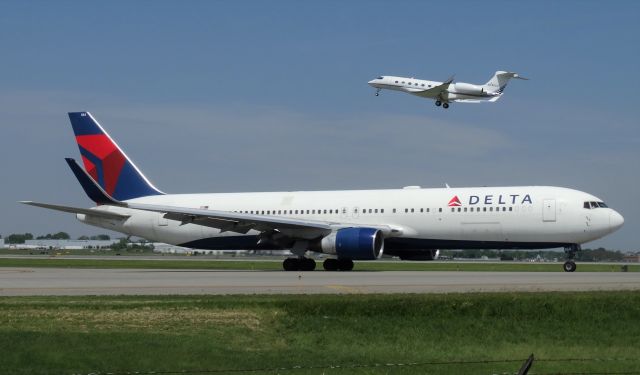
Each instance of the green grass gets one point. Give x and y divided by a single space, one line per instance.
267 265
65 335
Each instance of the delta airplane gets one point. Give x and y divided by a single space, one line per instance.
348 225
445 92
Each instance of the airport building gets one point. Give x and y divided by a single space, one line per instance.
68 244
2 245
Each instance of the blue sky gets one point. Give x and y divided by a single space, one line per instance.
250 96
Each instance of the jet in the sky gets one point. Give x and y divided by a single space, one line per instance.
448 91
410 223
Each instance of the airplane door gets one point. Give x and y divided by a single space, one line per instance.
549 210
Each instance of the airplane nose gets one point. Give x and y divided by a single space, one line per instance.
372 82
615 221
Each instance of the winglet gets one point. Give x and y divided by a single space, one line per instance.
91 188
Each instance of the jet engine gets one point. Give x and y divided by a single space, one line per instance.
467 88
353 243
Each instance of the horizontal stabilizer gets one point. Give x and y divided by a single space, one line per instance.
77 210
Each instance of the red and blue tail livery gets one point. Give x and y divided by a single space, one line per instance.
106 163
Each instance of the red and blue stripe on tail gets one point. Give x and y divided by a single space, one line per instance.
106 163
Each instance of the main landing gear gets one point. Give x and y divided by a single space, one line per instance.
299 264
337 264
570 265
307 264
444 105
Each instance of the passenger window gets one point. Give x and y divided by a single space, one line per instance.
459 209
406 210
453 209
421 210
439 209
484 209
423 85
375 211
427 210
465 209
412 210
394 210
382 210
396 81
510 208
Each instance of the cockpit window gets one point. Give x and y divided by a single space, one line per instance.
381 77
592 205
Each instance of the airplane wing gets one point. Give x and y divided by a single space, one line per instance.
433 92
242 223
77 210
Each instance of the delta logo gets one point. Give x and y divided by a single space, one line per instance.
493 199
455 202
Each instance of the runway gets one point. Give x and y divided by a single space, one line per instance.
68 281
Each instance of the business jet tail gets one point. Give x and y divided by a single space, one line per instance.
499 81
106 163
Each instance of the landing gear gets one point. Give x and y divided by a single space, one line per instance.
445 105
438 103
377 92
337 264
299 264
570 265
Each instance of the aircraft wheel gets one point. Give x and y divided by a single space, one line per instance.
330 264
345 264
290 264
307 264
445 105
377 94
569 266
438 103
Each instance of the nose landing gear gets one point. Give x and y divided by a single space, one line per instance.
377 92
570 265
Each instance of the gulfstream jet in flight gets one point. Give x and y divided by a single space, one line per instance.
411 223
445 92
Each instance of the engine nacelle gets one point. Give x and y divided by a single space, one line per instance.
353 243
467 88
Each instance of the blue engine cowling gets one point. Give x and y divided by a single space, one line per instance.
354 243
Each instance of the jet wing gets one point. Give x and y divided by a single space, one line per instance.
433 92
238 222
76 210
243 223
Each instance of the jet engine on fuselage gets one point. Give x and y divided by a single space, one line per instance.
467 88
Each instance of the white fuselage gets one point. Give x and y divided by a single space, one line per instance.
483 217
455 91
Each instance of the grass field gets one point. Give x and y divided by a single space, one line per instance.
598 331
277 265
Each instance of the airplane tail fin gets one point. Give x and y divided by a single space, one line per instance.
499 81
106 163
